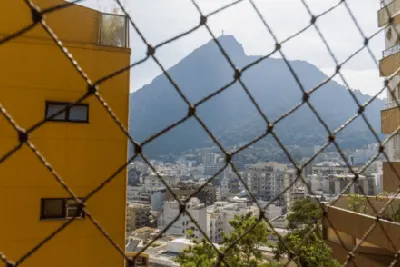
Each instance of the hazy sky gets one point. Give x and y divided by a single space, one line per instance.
162 19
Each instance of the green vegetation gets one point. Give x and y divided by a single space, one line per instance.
241 247
242 252
305 239
358 203
391 213
155 244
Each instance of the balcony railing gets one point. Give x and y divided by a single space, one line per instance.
392 104
363 218
391 50
385 2
114 30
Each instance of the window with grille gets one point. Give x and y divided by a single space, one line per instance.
60 111
60 208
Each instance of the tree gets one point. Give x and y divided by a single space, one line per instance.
358 203
302 212
305 239
237 253
304 242
311 251
245 252
113 29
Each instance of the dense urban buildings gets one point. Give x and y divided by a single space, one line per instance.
83 144
185 195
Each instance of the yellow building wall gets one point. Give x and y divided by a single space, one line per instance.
74 24
34 70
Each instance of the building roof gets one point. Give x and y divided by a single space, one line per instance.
145 229
139 205
329 164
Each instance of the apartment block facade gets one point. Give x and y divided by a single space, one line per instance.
83 144
181 226
268 180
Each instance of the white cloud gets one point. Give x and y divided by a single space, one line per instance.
160 20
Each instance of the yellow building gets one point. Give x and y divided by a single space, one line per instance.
83 145
382 243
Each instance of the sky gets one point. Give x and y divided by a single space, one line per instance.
160 20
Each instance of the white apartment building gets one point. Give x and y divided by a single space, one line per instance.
322 173
268 180
326 168
224 188
335 184
171 210
210 158
332 177
221 213
141 194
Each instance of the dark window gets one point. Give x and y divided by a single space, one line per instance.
60 208
52 208
140 261
78 113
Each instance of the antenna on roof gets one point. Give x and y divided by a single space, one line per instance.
222 32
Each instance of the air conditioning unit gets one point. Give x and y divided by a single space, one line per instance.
72 211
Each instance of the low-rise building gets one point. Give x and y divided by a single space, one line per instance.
334 184
326 168
153 181
138 215
141 194
185 190
221 213
171 210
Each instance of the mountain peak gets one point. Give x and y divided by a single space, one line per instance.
230 44
232 118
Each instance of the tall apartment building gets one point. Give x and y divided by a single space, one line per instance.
171 210
268 180
82 144
210 158
381 245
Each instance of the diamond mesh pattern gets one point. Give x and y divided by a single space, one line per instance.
38 18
